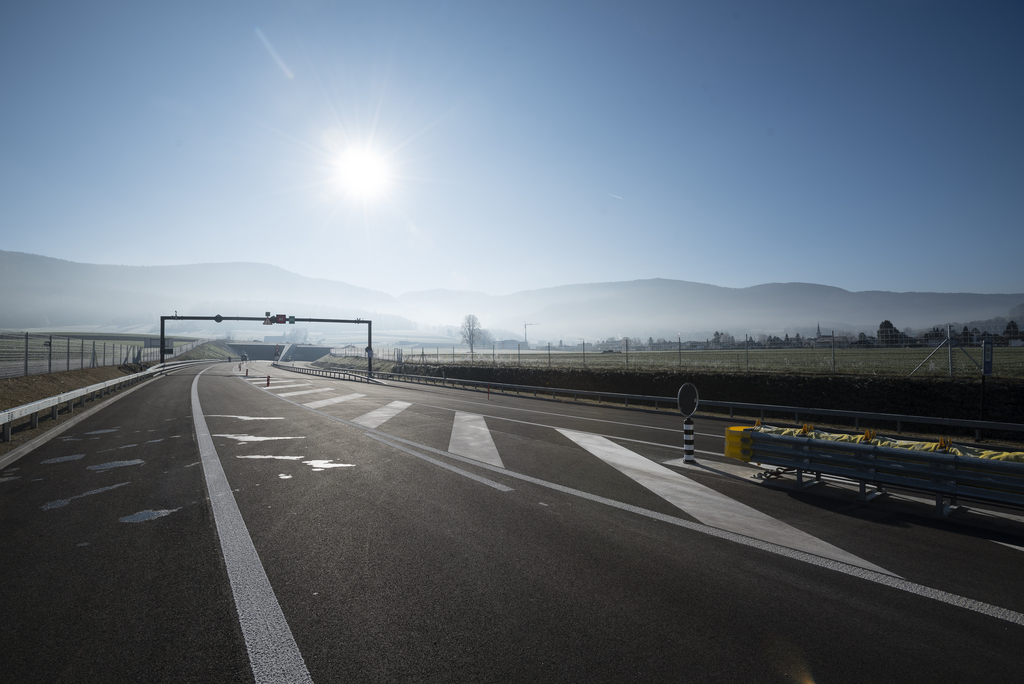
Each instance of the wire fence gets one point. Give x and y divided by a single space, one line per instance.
932 357
32 354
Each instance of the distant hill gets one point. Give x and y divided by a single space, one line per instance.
44 292
52 293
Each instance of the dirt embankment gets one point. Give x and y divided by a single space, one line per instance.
25 390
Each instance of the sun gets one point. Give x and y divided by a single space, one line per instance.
363 173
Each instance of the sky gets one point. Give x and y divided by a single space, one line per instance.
501 147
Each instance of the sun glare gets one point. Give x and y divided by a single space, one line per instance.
363 173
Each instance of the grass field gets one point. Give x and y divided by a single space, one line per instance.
1008 362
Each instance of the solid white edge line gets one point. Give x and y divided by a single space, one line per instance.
273 653
869 575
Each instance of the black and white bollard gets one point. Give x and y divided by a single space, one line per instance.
688 442
688 402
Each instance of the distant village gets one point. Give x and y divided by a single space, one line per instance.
887 336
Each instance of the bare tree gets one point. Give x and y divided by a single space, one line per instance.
472 332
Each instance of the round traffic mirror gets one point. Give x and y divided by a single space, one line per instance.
688 399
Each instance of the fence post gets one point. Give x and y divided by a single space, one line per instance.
833 352
69 353
81 354
746 347
26 353
50 360
949 344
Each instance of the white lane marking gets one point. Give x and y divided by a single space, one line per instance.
312 391
707 505
273 653
115 464
285 477
143 516
385 439
727 467
333 400
253 438
102 432
1012 546
381 437
280 458
384 413
565 415
62 459
321 465
8 479
64 502
884 579
220 415
297 384
471 438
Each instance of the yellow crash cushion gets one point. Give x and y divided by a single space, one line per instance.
737 443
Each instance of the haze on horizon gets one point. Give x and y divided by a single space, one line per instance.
412 146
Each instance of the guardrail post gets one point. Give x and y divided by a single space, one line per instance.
7 431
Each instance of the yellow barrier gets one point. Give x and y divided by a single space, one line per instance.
738 443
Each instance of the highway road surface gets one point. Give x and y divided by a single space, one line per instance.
206 527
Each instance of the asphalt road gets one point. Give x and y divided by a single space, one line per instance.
207 528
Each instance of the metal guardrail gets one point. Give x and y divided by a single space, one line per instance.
497 386
354 375
858 416
33 409
640 399
944 475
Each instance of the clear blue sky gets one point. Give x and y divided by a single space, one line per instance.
865 145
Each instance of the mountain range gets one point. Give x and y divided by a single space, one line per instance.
47 293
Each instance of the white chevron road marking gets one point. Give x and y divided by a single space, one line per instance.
707 505
472 439
384 413
312 391
333 400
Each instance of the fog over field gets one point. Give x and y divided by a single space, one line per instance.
61 295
